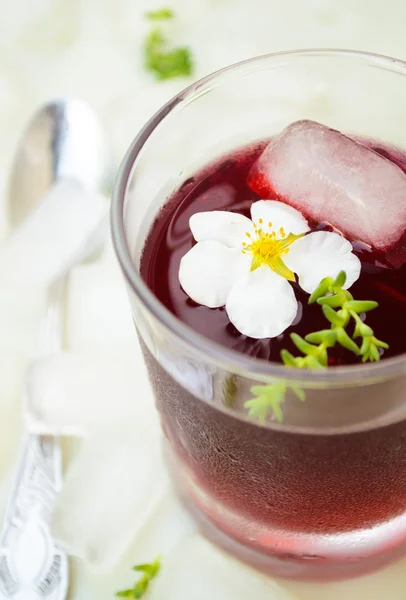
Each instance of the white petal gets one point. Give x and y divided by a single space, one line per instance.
261 304
209 270
322 254
280 215
222 226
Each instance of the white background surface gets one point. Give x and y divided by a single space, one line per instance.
92 49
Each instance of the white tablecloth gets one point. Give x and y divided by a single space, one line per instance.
92 49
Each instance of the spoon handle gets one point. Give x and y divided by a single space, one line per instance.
31 563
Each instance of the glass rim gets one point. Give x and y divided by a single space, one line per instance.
232 360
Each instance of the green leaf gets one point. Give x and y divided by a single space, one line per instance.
365 330
327 337
321 289
269 400
333 316
344 339
322 356
340 280
166 64
161 14
150 569
141 586
361 306
364 350
344 314
302 345
277 403
288 359
379 343
125 594
374 353
299 392
313 363
333 301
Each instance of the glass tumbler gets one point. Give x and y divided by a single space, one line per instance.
321 495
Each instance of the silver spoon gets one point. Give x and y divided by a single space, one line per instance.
63 140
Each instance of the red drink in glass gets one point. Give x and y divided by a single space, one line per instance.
323 494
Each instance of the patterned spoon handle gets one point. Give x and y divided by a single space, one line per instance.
31 564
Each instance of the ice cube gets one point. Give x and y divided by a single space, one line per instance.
53 236
330 177
198 570
111 488
77 394
99 315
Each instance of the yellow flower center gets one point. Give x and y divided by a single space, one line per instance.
269 248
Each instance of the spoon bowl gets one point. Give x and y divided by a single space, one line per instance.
63 140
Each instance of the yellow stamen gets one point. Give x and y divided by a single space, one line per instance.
268 249
260 221
247 234
269 224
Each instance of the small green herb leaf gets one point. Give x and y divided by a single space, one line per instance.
313 363
379 343
333 301
344 340
323 287
361 306
299 392
374 353
340 280
125 594
334 317
269 400
328 337
302 345
149 571
161 14
288 358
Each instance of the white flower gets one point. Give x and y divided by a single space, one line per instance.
246 265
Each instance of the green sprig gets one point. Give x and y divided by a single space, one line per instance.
149 571
164 62
348 311
340 309
269 400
